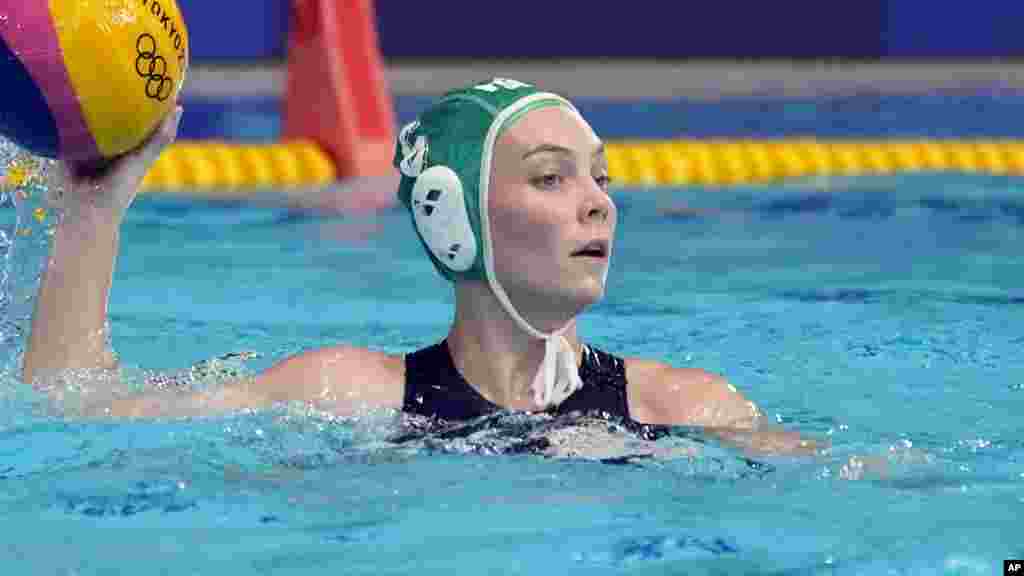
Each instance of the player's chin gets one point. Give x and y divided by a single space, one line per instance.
588 291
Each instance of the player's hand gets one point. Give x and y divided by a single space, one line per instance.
113 186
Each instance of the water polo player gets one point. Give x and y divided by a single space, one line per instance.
507 190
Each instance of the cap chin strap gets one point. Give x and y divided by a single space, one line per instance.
558 376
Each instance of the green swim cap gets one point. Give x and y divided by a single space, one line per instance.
459 131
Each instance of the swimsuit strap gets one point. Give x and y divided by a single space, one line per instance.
604 387
434 387
605 393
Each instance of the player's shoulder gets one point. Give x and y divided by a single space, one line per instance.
343 378
660 393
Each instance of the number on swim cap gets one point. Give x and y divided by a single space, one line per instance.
498 83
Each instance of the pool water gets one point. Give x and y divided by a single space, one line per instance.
882 315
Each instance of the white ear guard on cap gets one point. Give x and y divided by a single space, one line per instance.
439 210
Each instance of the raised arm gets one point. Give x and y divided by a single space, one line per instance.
69 322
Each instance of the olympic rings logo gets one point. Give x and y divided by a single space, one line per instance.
153 68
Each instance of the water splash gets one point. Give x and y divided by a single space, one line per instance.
578 437
25 183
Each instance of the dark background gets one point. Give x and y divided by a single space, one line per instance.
223 31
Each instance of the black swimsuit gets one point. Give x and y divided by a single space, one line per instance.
435 389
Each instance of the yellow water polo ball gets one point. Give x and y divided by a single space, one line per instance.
88 80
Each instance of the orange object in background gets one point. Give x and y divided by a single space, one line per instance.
337 94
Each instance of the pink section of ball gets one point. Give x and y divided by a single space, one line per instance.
29 32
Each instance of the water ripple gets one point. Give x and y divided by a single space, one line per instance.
844 295
660 548
865 295
143 498
812 203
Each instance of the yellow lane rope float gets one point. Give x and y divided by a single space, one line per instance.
222 169
231 169
733 162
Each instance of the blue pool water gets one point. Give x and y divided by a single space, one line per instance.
881 314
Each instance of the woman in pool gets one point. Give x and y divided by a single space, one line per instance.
508 191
